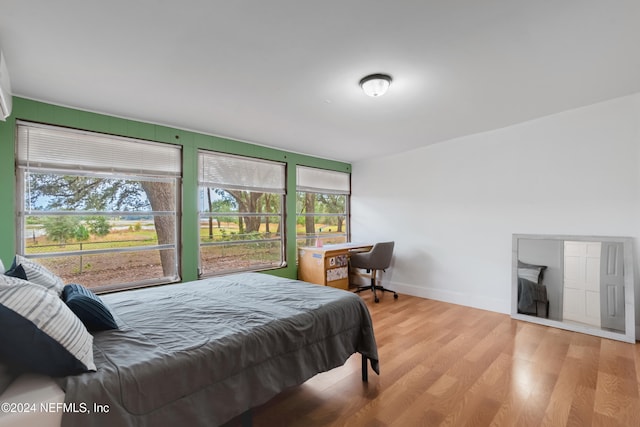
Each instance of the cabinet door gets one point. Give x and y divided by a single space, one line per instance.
337 270
311 267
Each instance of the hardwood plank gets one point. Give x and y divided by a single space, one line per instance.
448 365
581 412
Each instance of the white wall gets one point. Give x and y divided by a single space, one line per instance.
452 207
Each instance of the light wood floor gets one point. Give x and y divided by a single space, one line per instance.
448 365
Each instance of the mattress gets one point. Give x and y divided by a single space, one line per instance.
32 401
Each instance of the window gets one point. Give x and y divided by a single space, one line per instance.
241 213
322 204
96 209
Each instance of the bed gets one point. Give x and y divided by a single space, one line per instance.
532 293
201 353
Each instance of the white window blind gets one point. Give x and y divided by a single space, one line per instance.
322 181
241 173
47 147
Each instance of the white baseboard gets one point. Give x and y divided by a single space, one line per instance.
460 298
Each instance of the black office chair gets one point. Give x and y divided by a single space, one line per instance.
378 258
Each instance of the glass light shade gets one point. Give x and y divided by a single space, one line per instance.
375 84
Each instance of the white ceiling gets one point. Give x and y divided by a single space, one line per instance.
284 73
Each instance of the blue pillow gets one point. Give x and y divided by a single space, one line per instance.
39 333
88 307
17 271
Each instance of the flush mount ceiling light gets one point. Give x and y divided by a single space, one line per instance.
375 84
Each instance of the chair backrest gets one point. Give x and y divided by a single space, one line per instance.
378 258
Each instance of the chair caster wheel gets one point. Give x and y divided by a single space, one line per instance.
376 299
395 296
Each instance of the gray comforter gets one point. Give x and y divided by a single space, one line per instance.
200 353
529 294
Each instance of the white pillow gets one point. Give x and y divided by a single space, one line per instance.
40 275
2 270
531 274
40 333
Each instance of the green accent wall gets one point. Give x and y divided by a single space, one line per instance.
191 142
